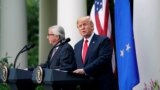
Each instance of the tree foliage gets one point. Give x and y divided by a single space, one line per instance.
32 26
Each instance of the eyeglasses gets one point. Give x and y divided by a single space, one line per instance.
50 34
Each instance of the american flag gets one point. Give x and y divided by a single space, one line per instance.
100 15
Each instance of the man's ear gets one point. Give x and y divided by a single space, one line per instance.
92 26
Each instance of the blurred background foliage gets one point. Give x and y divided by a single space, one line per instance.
33 28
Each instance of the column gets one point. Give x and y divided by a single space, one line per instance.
13 28
47 18
68 13
0 27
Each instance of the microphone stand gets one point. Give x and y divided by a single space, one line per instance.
21 51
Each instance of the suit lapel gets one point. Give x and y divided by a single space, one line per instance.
79 49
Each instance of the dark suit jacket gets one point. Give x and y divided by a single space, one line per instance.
63 58
98 61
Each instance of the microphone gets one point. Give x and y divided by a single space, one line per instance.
62 42
65 41
25 48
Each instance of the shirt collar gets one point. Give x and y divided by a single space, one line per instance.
89 39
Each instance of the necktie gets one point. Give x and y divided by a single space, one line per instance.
85 49
51 54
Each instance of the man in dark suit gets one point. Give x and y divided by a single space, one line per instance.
61 56
94 58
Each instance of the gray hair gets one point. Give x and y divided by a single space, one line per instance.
58 30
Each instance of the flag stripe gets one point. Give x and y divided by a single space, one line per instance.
98 25
106 19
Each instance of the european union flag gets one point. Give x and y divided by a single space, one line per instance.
125 48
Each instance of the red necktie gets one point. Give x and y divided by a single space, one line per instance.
85 48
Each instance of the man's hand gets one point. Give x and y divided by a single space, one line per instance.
79 71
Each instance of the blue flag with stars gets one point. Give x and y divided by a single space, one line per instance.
125 47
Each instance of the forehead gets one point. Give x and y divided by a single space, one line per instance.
83 20
50 30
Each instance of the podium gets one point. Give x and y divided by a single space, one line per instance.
52 79
18 79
